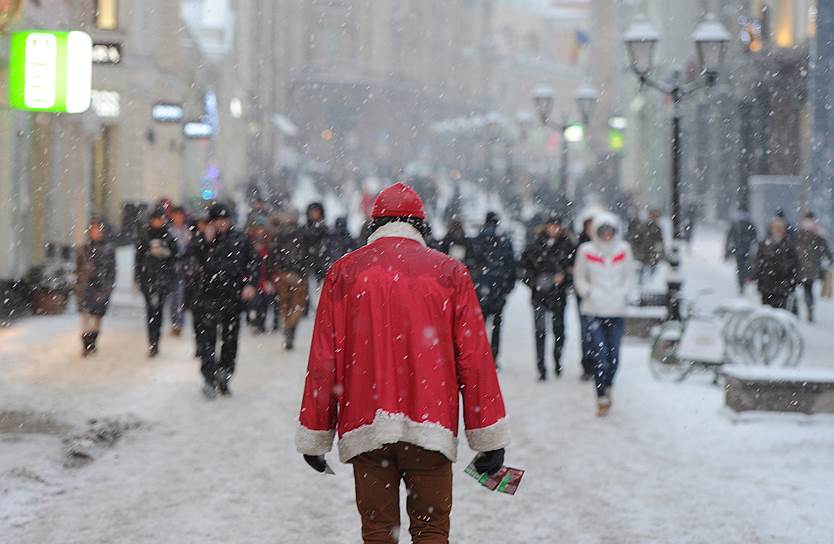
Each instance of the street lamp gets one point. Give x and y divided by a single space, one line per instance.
586 100
570 131
710 39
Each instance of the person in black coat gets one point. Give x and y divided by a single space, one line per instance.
95 278
777 266
193 274
493 268
315 238
154 269
229 268
455 244
741 239
342 242
546 265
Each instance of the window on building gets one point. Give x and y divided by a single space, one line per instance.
107 17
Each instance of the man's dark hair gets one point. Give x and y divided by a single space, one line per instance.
418 224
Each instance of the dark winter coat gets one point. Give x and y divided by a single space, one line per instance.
647 243
95 268
288 252
777 267
227 265
156 257
493 268
813 250
193 268
455 244
341 242
315 239
740 239
541 261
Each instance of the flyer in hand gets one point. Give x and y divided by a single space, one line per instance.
506 480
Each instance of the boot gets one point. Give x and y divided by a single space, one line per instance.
87 343
603 405
221 380
289 339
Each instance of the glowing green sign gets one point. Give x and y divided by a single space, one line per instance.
50 71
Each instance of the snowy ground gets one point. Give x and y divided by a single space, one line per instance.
668 465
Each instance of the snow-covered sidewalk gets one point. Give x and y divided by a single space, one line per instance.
668 465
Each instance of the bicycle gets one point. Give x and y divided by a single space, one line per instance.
739 333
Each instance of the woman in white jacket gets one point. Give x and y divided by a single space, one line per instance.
604 277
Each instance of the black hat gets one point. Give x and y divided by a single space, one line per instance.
219 211
492 218
554 220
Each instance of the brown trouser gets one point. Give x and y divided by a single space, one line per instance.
292 295
428 483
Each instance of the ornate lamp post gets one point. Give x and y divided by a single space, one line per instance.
586 98
710 39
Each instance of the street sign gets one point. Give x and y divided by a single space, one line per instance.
50 71
197 130
107 53
163 112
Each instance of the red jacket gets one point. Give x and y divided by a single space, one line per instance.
399 338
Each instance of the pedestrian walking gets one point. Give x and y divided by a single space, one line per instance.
648 246
604 278
455 244
493 268
288 263
398 337
193 274
95 270
315 237
546 265
814 258
156 256
181 233
777 266
261 245
741 240
228 280
341 242
587 360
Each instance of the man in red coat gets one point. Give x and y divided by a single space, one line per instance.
399 339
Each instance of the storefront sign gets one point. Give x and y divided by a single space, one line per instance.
163 112
50 71
197 130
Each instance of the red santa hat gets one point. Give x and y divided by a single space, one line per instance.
398 200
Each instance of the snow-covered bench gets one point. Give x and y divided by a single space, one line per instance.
808 391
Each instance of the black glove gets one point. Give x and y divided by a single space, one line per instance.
489 461
317 462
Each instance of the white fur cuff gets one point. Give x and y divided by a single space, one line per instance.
309 442
491 437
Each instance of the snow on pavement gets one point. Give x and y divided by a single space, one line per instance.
669 464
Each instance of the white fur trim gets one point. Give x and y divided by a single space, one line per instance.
491 437
397 229
310 442
388 428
